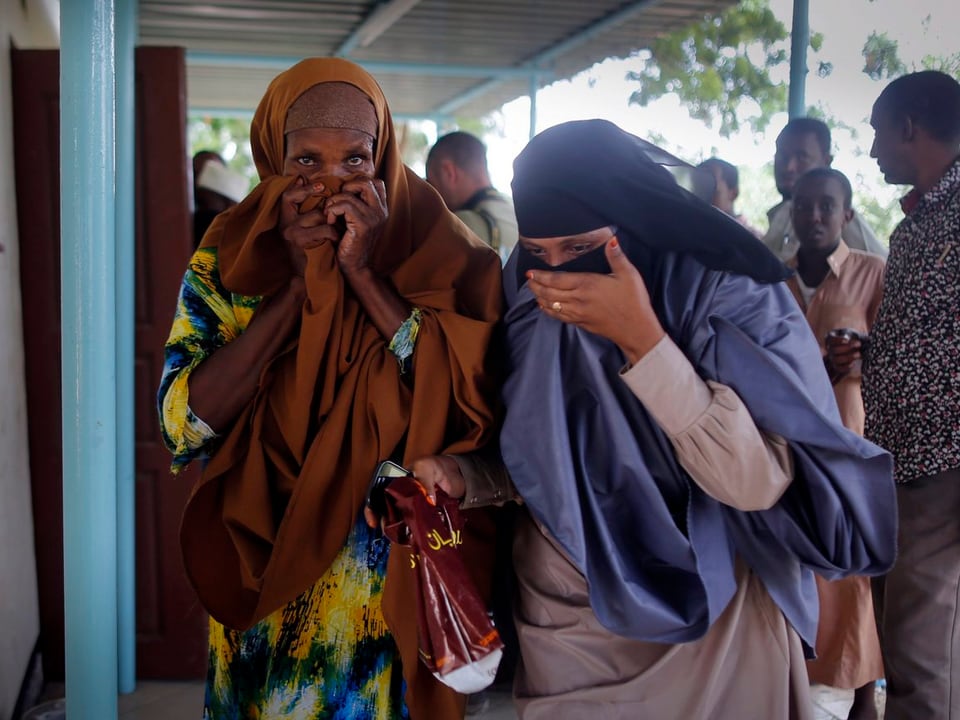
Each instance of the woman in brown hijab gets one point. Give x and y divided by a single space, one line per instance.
338 316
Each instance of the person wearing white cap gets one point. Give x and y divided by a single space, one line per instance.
215 189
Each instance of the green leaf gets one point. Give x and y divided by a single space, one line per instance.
881 58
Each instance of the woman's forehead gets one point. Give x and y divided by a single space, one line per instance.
588 236
332 105
327 138
818 186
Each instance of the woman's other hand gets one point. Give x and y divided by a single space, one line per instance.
433 471
615 306
362 204
302 231
439 471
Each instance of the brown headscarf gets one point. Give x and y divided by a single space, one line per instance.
279 497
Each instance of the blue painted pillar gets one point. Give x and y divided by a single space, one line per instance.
799 42
126 23
534 88
88 303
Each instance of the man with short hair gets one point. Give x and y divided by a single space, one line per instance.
726 189
457 168
911 392
803 144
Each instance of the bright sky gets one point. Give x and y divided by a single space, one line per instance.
846 94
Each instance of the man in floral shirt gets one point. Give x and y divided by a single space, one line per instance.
911 392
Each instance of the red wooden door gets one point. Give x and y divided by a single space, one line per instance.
171 636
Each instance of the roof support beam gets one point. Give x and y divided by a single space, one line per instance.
539 61
383 17
387 68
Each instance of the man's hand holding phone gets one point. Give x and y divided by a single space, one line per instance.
845 348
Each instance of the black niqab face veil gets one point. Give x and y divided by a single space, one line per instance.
583 175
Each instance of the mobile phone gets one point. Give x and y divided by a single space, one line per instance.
383 476
848 334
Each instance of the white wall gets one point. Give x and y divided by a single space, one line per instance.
30 24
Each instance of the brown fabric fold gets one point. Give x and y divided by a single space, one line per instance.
277 500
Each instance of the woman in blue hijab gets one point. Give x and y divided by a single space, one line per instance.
675 439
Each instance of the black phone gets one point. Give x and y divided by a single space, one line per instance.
384 475
848 334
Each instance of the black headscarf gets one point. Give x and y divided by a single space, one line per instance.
587 174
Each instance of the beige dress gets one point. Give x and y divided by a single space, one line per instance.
748 666
848 646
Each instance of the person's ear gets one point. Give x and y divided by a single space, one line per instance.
734 194
847 215
908 130
449 170
829 160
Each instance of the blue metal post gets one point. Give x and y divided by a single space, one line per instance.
88 302
125 251
799 41
534 88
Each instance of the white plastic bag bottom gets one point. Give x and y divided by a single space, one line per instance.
474 677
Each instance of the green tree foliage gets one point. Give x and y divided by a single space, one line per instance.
949 64
881 216
880 58
742 55
715 64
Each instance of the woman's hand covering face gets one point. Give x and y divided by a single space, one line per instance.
302 231
362 204
615 306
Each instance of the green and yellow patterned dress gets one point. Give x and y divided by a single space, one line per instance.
328 654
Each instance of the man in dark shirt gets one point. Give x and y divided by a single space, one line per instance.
911 392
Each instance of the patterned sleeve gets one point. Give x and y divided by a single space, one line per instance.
207 318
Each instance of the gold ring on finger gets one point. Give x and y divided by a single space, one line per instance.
557 307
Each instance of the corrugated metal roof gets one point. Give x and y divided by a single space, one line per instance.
433 58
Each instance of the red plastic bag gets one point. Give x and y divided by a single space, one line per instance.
458 641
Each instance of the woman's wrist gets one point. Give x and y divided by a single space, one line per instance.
362 276
642 342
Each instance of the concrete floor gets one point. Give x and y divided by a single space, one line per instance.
184 701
